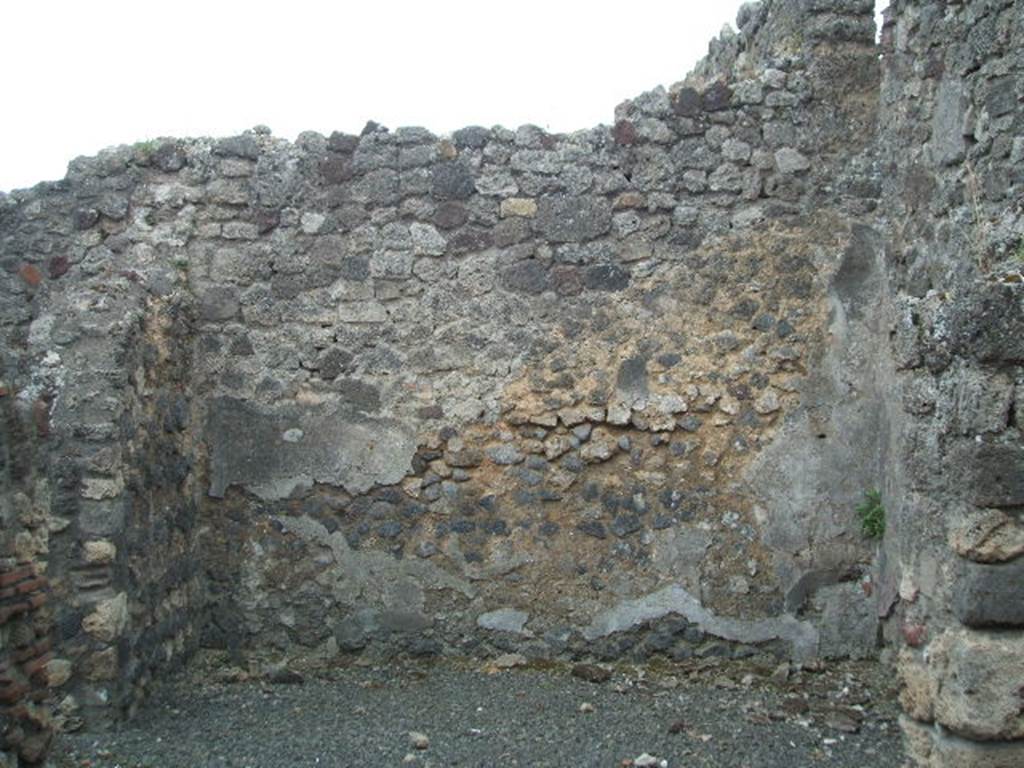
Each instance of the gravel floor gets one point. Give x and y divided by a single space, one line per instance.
704 715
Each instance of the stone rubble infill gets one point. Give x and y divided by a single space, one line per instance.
462 713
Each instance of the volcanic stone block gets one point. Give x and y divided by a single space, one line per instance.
998 475
990 595
452 181
568 218
979 678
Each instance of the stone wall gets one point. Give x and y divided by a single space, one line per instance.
27 664
952 140
98 481
610 394
511 390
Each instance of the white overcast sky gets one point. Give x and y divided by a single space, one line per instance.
81 76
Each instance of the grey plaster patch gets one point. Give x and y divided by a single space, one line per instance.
947 144
394 589
856 281
833 448
802 635
248 447
849 626
678 552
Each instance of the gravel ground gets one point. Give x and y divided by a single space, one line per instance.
473 715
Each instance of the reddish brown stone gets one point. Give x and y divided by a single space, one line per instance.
686 102
17 574
431 412
914 634
450 215
567 281
336 170
131 274
628 200
58 266
30 274
37 667
7 611
624 133
41 417
33 651
266 219
39 695
717 97
470 240
33 749
31 585
12 693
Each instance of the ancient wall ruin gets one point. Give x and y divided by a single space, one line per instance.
611 394
951 136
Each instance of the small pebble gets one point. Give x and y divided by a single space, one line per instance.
586 707
592 673
418 740
781 673
649 761
509 660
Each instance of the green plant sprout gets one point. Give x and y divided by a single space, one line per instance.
872 515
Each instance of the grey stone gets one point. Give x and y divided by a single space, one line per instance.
426 240
593 528
529 277
947 142
114 207
404 620
1002 96
849 625
219 303
450 215
102 518
168 157
569 218
998 475
606 277
789 160
990 595
245 146
624 525
505 454
504 620
473 137
452 181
